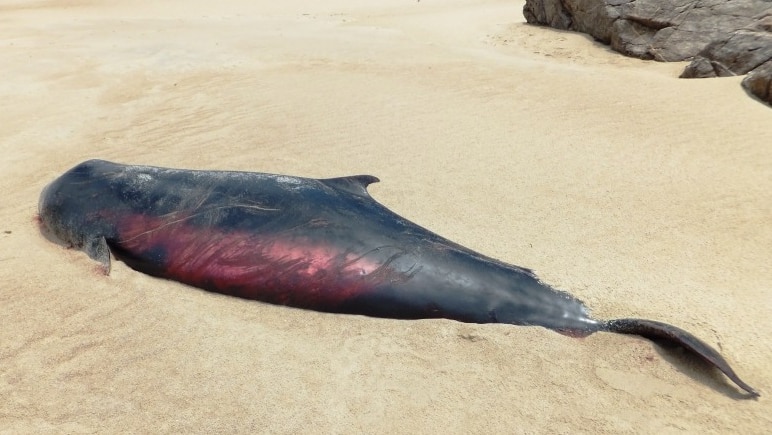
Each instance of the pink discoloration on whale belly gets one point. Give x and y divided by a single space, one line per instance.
318 259
283 270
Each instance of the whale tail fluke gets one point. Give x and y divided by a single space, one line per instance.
669 333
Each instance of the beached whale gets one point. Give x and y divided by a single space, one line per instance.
322 245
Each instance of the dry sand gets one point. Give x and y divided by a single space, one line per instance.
642 194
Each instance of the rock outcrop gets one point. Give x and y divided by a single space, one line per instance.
723 37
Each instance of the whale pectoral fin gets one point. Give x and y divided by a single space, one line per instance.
98 250
659 330
355 184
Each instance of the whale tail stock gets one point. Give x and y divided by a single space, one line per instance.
662 331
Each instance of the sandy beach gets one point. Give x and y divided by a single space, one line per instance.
642 194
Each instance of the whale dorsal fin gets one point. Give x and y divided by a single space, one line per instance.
355 184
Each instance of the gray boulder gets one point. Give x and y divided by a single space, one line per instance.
759 83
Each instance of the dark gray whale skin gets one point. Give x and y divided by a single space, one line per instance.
322 245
